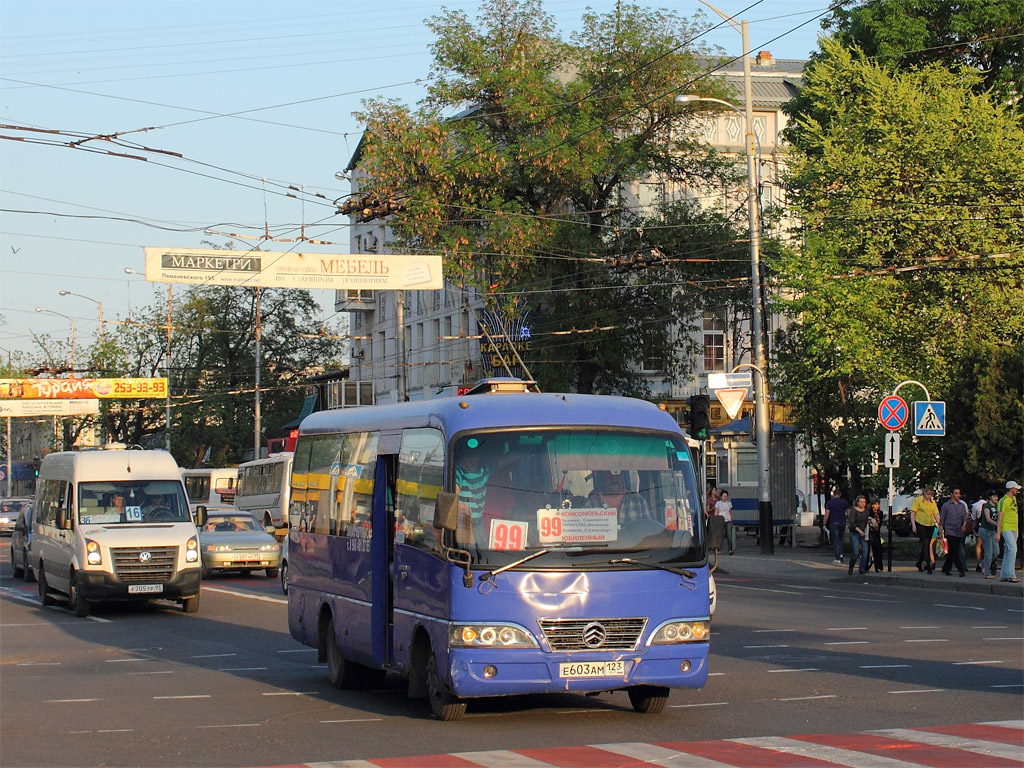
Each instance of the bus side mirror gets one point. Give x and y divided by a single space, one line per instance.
446 510
200 516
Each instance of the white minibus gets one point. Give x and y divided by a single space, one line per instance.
264 489
114 525
210 487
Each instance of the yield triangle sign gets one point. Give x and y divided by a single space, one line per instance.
731 400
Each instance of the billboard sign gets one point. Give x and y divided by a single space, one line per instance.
21 408
269 269
72 389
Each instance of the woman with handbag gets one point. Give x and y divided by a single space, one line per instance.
874 536
858 524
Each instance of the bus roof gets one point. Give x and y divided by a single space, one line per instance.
492 411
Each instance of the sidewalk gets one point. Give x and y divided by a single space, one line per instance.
807 559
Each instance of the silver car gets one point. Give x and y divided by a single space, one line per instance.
234 541
9 509
21 540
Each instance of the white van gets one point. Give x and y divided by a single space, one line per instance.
114 525
264 489
210 487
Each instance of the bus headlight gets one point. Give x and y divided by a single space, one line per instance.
93 556
192 550
490 636
674 632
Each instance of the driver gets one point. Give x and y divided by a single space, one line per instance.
610 491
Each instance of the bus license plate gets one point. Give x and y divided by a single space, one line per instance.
592 669
145 589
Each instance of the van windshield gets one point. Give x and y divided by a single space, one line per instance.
113 503
600 490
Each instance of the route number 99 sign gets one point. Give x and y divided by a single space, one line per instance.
507 535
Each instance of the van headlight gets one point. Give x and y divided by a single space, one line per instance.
93 556
490 636
678 631
192 550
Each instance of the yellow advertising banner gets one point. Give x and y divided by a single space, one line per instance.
53 389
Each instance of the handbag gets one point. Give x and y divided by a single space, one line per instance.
968 528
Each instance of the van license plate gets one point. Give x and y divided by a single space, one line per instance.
592 669
145 589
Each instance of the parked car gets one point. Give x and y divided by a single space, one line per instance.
234 541
21 539
9 509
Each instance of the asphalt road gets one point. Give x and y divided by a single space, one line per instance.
149 685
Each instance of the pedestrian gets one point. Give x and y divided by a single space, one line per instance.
987 532
924 517
1007 524
976 508
858 525
951 522
723 507
835 521
709 508
875 535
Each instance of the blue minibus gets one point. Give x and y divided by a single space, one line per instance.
501 542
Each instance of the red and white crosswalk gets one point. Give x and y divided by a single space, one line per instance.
991 745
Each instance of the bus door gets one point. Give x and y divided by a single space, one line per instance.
382 551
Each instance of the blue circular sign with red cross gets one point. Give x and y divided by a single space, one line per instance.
893 412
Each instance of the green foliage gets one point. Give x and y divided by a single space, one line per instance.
911 186
984 36
521 190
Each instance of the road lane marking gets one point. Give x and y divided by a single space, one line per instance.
158 672
214 655
39 663
766 646
757 589
928 640
883 666
919 627
240 669
849 642
1004 638
116 730
121 661
184 696
231 725
69 701
246 595
831 755
702 704
970 663
810 698
359 720
847 629
804 669
764 631
990 627
978 746
860 599
310 650
292 693
1008 685
920 690
959 607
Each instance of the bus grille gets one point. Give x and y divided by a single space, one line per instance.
131 565
593 634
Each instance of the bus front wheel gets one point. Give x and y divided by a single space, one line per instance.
341 672
444 704
648 699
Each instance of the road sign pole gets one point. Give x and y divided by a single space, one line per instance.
891 494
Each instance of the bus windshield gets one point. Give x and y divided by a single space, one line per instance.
113 503
580 493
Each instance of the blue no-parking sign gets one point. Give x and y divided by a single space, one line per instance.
893 412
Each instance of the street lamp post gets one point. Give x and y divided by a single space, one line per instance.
762 423
99 306
70 320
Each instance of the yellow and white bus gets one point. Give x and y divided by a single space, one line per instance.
263 489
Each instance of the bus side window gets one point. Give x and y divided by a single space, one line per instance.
420 477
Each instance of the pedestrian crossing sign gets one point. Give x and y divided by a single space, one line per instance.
929 418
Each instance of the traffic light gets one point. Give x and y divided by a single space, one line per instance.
700 417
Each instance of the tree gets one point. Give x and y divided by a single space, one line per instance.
522 190
910 184
985 36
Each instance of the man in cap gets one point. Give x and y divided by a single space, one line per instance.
1007 525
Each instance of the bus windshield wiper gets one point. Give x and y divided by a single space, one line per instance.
491 574
656 566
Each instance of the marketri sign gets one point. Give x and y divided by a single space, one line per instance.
266 269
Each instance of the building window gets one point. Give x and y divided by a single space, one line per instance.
714 340
746 467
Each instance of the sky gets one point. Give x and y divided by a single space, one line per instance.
231 117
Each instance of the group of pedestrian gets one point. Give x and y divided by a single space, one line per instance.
994 520
719 504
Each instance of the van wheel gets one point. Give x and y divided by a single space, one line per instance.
190 604
79 604
444 705
648 699
284 577
29 575
44 591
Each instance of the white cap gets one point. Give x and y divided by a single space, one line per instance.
1012 484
